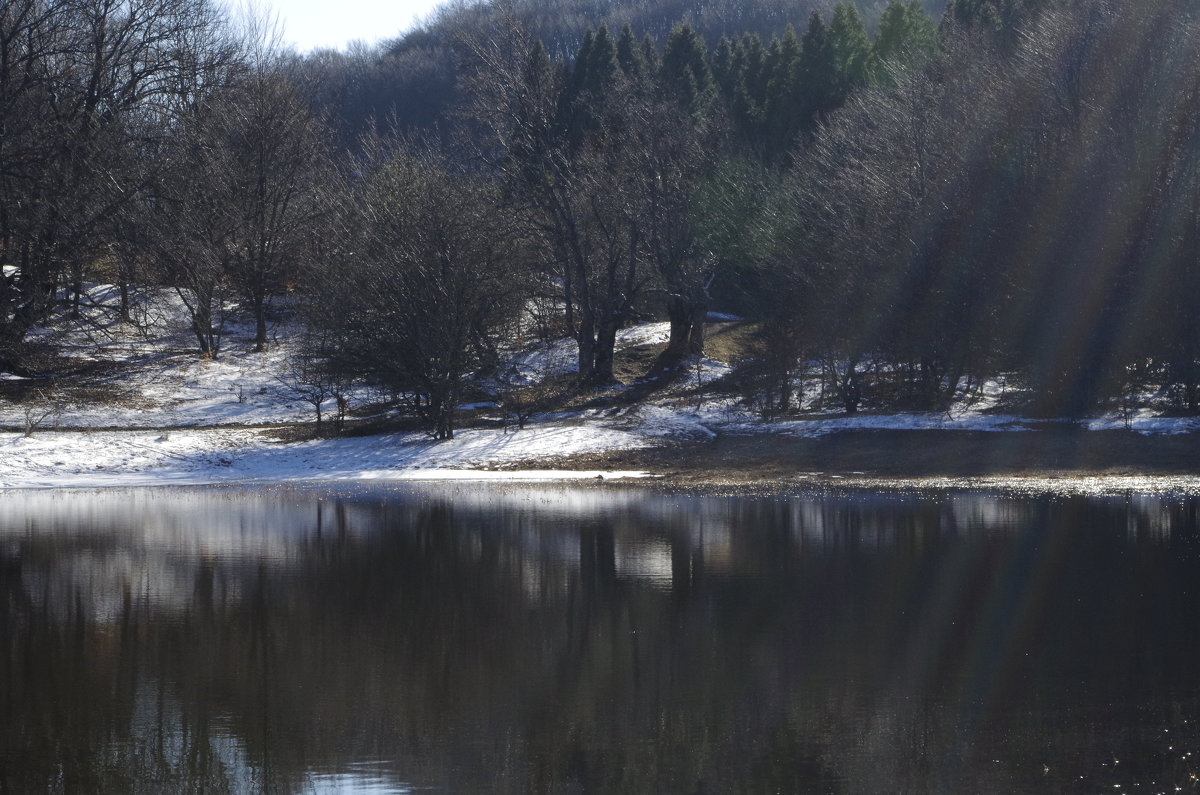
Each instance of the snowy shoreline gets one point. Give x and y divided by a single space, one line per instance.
230 455
162 416
103 459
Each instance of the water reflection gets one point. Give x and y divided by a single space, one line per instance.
488 638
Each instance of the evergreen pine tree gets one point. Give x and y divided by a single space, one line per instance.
602 66
650 54
582 59
852 55
724 67
1000 18
973 13
753 70
744 88
818 74
906 33
783 107
685 72
629 56
592 79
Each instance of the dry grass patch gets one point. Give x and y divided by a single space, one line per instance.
731 342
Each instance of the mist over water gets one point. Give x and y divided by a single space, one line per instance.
469 638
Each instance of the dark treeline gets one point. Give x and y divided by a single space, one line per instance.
1022 203
413 81
907 204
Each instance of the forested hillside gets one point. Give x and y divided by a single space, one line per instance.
902 204
412 80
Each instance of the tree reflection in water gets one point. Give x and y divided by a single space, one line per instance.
541 639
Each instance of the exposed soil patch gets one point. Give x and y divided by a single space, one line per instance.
1065 452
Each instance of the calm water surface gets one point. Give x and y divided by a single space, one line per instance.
546 639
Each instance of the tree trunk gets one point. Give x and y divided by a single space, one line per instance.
951 391
931 381
123 311
679 313
587 355
687 328
202 328
342 406
439 411
76 298
696 338
851 391
260 324
202 322
785 393
585 335
606 344
445 423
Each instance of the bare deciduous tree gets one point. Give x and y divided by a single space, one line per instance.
85 88
570 184
434 272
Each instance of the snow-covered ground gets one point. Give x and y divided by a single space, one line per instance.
231 455
175 418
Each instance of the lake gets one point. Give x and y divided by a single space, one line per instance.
487 638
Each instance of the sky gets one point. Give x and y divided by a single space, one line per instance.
313 24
